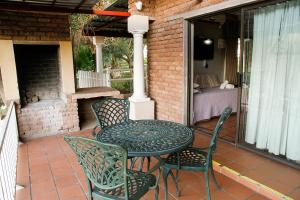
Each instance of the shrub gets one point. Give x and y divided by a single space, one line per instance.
124 87
84 59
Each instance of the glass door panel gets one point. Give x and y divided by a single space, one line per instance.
245 68
270 97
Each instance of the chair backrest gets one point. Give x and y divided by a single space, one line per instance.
213 143
105 165
111 111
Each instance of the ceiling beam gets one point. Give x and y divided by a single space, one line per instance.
111 13
80 4
108 33
109 23
26 7
53 2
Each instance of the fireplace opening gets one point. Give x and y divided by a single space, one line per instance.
87 119
38 73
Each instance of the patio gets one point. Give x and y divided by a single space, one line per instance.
49 170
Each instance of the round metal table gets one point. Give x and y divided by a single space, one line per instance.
143 138
146 138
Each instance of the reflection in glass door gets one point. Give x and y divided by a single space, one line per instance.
270 102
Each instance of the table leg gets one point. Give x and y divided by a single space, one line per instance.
165 177
159 166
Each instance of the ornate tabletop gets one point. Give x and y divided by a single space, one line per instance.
148 137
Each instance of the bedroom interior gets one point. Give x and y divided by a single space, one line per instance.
216 42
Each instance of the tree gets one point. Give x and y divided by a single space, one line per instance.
117 51
84 58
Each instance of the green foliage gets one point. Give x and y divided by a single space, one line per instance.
84 59
124 87
117 52
78 21
3 111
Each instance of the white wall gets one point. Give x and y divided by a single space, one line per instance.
66 67
215 66
8 71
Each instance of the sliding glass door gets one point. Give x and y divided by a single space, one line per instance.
270 100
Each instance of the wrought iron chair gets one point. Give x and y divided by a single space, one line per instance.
105 167
109 112
195 159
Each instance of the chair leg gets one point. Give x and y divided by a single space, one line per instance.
132 164
156 192
166 172
89 185
175 179
148 164
214 177
207 185
141 164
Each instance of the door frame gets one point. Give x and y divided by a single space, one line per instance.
189 72
188 76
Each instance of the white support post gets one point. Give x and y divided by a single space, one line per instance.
141 107
107 78
19 187
98 42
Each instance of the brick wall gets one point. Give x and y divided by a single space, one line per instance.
165 54
38 71
34 26
48 118
84 109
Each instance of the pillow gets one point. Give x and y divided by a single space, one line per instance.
207 80
196 85
213 80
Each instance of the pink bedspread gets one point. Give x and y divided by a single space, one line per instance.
211 102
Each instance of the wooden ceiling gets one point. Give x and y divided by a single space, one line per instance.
109 26
55 6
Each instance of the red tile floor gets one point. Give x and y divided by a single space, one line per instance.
228 130
49 170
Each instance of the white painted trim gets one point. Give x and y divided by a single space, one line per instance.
8 71
19 187
225 5
186 65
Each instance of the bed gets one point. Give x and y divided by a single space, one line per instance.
210 102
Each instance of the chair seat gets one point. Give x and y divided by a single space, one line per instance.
138 186
189 158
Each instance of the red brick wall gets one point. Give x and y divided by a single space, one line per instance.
34 27
165 51
48 118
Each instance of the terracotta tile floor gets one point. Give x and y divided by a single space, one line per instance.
228 130
48 169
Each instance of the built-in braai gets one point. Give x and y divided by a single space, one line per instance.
38 72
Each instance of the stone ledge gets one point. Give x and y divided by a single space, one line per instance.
87 93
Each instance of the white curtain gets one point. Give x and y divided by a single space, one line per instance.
273 119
